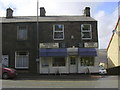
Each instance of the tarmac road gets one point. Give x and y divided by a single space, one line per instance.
91 81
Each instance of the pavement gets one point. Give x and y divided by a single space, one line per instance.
74 77
62 81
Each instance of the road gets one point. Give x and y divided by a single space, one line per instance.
96 82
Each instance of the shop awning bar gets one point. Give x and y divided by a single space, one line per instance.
87 52
53 52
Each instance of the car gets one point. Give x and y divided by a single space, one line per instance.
103 71
7 72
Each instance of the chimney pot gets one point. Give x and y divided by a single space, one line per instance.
42 11
9 13
87 12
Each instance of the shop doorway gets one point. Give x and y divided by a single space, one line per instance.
73 64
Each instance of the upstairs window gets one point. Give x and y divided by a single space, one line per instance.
58 32
22 33
86 32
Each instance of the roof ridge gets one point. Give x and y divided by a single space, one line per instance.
46 18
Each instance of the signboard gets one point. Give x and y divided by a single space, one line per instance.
5 60
91 44
49 45
72 51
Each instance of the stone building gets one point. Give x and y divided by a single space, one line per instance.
50 44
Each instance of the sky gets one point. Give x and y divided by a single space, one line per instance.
104 11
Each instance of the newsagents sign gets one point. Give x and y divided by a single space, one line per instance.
49 45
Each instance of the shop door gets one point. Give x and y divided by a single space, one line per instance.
45 66
73 64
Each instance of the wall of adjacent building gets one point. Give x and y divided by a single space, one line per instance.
103 57
113 51
119 43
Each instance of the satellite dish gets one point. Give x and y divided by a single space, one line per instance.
114 31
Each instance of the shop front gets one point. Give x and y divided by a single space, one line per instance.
68 60
53 61
88 60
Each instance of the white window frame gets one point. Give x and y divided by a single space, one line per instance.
16 61
58 31
89 31
19 29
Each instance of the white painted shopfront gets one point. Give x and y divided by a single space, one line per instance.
47 66
68 60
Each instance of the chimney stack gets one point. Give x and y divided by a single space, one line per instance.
9 13
42 11
87 11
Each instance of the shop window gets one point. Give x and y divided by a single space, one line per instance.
58 32
87 61
22 60
45 62
86 32
58 61
22 33
72 61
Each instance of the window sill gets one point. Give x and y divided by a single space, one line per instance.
22 68
86 38
58 39
22 40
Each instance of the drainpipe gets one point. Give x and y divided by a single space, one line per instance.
37 59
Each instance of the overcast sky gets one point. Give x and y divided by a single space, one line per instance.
104 11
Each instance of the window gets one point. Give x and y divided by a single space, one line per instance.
58 61
22 33
5 60
87 61
58 32
86 32
22 60
72 61
45 62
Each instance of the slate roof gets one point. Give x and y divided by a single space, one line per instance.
46 19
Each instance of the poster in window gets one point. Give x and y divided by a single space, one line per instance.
5 60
